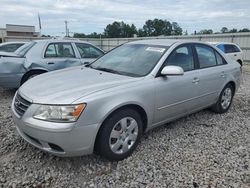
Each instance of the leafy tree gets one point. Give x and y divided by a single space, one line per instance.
233 30
79 35
157 27
244 30
120 29
113 30
177 30
224 30
206 31
141 33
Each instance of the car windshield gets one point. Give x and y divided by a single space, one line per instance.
25 48
130 59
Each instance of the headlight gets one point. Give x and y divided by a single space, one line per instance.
67 113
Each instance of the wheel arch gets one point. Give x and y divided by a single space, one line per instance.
240 62
32 71
233 84
134 106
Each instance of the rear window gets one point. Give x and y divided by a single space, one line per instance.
231 48
25 48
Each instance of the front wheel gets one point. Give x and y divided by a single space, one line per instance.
119 135
225 100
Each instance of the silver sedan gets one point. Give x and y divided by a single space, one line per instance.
106 106
42 56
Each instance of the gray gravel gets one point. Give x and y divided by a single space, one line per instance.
201 150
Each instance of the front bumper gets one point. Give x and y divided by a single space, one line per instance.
60 139
12 80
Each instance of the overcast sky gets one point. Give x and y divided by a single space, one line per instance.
86 16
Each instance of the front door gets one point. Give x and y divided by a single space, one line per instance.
176 95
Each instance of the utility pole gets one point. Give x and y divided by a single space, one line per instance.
66 28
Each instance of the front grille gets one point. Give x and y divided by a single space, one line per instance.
21 105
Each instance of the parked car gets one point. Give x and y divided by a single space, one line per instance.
106 106
42 56
10 46
231 50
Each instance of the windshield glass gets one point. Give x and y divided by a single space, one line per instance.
25 48
130 59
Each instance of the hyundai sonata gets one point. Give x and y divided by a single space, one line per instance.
106 106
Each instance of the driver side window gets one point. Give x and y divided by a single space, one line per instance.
182 57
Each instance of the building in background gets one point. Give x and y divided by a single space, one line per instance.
19 31
2 34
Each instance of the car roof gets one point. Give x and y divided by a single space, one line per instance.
165 42
216 43
161 42
17 42
60 40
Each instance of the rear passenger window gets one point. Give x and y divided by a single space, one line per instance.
221 47
60 50
220 60
229 48
206 56
236 49
50 51
182 57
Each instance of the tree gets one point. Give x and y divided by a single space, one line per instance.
141 33
158 27
177 30
224 30
120 29
244 30
233 30
206 31
79 35
113 30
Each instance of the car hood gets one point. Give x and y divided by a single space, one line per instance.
8 54
66 86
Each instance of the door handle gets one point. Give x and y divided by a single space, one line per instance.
195 80
223 74
50 63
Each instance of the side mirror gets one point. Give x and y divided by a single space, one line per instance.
172 71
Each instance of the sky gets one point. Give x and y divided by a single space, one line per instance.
87 16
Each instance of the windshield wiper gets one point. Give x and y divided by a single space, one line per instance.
108 70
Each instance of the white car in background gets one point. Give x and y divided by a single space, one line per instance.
10 46
231 50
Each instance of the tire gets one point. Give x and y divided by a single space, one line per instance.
126 128
30 75
225 99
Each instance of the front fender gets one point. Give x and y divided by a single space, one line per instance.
100 107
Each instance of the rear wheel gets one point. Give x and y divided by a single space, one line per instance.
119 135
225 99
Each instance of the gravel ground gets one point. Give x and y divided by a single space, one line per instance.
201 150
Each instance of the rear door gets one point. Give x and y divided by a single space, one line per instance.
88 52
60 55
212 73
